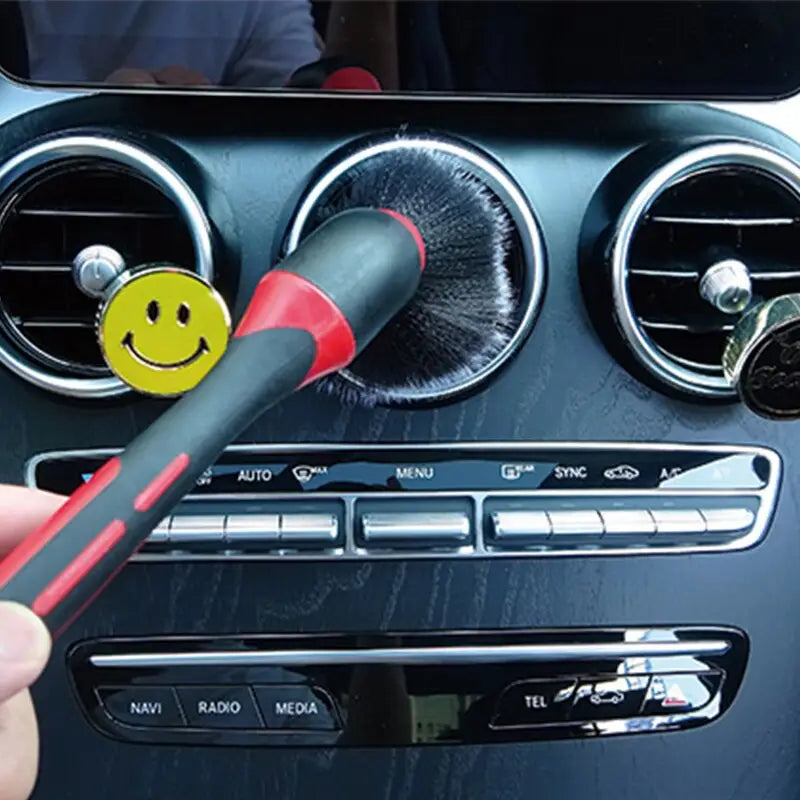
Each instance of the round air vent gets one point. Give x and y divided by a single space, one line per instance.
510 283
718 204
57 198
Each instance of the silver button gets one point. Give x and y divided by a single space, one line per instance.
514 525
245 528
628 521
309 528
197 528
160 534
678 520
728 520
576 523
440 526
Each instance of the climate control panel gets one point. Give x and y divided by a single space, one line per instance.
465 500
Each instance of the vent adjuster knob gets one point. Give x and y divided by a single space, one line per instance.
727 286
96 267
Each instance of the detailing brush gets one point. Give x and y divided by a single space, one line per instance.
308 317
463 313
356 274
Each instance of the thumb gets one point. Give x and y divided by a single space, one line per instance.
24 648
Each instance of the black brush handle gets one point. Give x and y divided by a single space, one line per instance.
308 317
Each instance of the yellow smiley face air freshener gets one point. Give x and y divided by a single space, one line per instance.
162 329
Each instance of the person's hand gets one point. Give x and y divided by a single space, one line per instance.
168 76
24 649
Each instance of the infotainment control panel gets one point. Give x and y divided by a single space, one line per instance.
408 689
466 500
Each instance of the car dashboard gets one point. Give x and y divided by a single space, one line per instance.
569 574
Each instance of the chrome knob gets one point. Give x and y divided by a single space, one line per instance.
726 285
762 357
96 267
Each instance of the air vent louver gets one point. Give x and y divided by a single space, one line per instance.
727 200
86 190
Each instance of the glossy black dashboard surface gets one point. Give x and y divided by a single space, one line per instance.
246 472
249 159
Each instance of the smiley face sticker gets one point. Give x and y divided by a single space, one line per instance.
162 329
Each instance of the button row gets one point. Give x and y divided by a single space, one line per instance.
548 702
295 707
510 526
378 529
240 530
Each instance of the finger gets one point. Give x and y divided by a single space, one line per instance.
22 510
130 76
19 748
181 76
24 648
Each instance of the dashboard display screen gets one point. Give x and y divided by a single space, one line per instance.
517 48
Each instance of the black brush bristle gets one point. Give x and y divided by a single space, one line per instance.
462 314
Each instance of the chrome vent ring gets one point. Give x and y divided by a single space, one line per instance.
722 200
47 334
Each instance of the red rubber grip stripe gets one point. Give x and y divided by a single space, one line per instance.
286 300
412 229
147 497
352 79
77 501
77 612
78 568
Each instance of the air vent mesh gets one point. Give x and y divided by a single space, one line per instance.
45 222
732 200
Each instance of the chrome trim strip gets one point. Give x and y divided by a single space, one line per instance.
679 326
517 205
34 267
140 161
767 497
740 222
663 273
72 212
784 275
38 323
718 154
414 655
